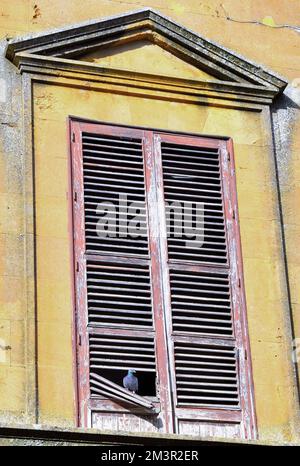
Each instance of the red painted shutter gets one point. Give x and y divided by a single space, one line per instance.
204 299
118 291
167 306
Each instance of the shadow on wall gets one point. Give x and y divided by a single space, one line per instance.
284 114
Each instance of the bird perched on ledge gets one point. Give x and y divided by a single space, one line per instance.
131 381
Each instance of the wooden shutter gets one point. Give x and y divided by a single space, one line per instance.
118 283
203 289
170 307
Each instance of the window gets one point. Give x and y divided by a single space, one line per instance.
158 282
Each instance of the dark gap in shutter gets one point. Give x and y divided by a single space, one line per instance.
119 295
192 179
206 375
112 355
113 167
201 303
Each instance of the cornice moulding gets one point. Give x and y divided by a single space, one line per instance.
61 48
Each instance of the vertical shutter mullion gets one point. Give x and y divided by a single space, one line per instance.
165 280
240 314
161 333
82 344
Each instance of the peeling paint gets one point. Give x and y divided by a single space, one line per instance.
37 12
268 21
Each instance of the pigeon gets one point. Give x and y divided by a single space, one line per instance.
131 382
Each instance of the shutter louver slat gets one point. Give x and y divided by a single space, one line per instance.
105 354
201 303
113 167
201 307
117 266
214 376
191 177
119 289
119 295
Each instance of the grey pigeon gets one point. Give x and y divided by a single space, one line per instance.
131 382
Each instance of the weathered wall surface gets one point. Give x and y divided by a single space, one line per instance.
264 273
254 29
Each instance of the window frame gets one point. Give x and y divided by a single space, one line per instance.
76 126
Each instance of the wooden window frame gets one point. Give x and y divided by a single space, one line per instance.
161 298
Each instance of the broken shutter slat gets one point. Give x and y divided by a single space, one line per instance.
108 388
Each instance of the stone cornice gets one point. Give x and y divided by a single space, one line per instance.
61 49
147 83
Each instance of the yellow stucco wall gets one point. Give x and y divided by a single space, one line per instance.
146 57
261 247
276 48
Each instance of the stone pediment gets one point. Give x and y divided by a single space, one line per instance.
117 43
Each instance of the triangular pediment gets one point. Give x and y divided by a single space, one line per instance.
143 56
145 41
